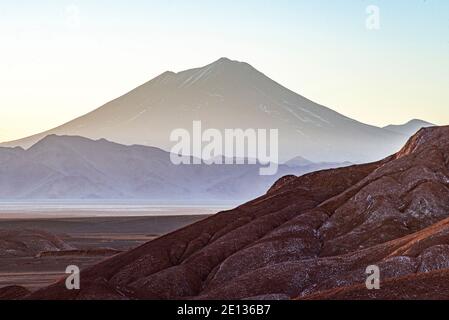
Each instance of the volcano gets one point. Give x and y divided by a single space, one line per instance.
223 95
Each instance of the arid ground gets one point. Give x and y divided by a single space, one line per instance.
40 247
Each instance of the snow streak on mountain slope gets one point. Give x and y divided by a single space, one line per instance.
230 94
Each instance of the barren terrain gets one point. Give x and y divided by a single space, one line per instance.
34 252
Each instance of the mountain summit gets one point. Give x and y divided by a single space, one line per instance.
229 94
410 127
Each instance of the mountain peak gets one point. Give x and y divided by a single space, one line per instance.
228 63
419 121
409 128
224 60
218 68
54 140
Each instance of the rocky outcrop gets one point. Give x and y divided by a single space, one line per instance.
27 243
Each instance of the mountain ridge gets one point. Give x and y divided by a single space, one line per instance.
73 167
409 128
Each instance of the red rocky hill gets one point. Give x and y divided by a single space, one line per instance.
309 237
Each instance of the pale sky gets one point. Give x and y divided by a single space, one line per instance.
61 59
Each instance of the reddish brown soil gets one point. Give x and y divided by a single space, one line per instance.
13 293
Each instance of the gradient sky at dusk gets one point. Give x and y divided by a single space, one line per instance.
61 59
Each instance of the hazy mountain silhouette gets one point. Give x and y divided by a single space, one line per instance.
303 162
410 127
229 94
68 167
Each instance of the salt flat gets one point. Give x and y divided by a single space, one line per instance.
78 209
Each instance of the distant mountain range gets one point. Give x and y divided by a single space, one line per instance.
230 94
68 167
